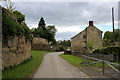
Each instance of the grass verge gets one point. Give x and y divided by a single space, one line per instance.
27 69
92 71
74 60
77 61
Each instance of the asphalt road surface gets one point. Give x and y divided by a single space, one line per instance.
53 66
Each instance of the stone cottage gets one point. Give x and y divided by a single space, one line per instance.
89 38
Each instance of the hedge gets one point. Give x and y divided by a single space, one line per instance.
108 50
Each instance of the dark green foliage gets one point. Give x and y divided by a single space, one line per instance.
66 43
117 35
108 37
10 27
108 50
47 33
50 31
27 32
37 32
42 24
62 49
19 16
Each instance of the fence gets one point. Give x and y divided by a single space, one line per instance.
86 59
102 56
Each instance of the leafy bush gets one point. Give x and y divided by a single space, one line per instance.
108 50
11 27
62 49
20 17
27 32
47 33
108 37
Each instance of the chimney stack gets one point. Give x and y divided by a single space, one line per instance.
90 23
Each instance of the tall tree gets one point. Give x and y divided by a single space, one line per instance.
42 23
51 30
117 35
65 43
108 37
43 31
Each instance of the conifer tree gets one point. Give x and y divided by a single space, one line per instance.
42 23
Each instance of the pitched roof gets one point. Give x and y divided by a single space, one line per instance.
84 30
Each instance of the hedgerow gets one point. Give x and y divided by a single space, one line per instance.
108 50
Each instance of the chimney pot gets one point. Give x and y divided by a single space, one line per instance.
90 23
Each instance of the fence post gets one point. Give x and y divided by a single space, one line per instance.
82 59
103 67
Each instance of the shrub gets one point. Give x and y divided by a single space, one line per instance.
20 17
11 27
108 50
62 49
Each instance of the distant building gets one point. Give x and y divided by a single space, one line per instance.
90 37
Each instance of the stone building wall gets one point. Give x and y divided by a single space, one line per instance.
94 37
77 42
15 50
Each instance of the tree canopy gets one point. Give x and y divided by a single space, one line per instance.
43 31
108 37
42 23
65 43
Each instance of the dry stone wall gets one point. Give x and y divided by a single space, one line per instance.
43 44
37 40
45 47
15 50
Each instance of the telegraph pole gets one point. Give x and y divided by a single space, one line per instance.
113 25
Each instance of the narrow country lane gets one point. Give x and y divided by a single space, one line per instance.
53 66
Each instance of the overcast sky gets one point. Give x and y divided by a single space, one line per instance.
69 17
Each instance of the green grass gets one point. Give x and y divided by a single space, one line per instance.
77 61
74 60
27 69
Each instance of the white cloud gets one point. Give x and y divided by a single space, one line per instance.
68 17
69 29
65 0
101 28
32 26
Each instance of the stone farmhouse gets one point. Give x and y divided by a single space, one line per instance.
89 38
